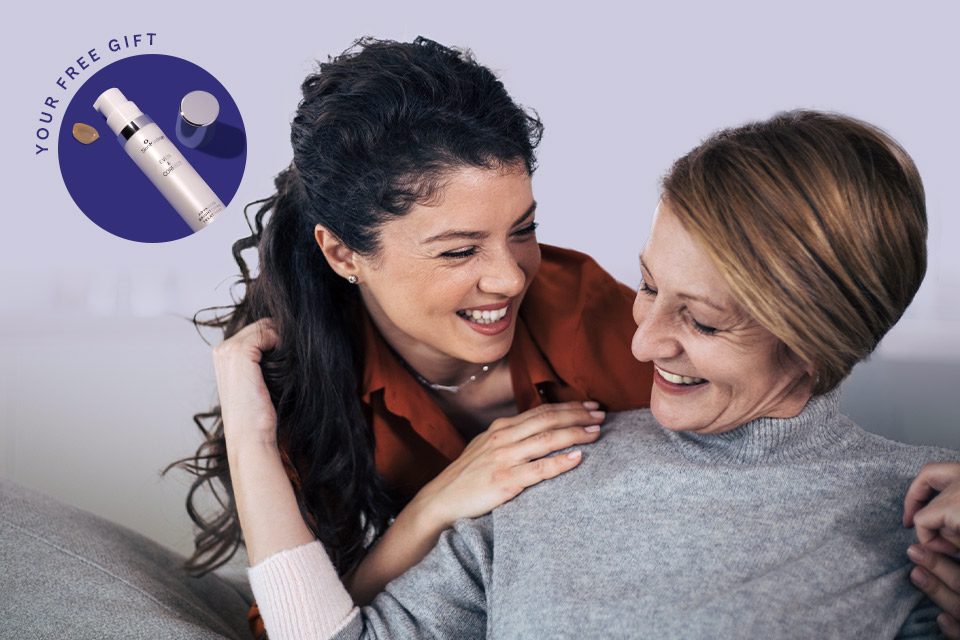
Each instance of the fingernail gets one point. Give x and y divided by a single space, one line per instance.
597 414
592 428
915 552
919 576
590 404
573 455
948 625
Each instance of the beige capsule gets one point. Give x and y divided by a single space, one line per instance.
85 133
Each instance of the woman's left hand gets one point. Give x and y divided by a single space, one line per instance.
932 505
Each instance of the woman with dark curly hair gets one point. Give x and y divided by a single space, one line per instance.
422 353
415 355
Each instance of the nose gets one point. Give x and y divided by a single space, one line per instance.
503 275
655 337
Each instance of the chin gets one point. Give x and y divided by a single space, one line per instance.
671 417
491 355
492 349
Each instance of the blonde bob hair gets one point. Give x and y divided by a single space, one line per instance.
818 224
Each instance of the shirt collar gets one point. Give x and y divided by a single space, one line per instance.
405 397
529 368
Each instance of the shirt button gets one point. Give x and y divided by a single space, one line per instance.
540 391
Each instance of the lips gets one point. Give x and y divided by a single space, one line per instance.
679 379
488 319
486 314
483 316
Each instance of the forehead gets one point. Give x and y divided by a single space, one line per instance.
463 185
474 198
675 259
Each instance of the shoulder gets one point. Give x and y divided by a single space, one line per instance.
897 457
628 440
581 319
630 430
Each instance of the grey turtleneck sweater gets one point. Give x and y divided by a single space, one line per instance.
781 528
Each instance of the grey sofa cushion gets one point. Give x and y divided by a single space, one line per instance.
66 573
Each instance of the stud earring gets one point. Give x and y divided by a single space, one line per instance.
353 279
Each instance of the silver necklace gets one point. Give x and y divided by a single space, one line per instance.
452 388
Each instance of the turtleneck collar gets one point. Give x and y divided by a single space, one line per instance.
818 426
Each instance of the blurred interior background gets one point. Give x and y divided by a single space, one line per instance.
101 369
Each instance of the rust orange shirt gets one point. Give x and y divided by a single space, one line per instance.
572 342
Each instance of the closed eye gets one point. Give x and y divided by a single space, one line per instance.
702 328
697 326
530 229
466 252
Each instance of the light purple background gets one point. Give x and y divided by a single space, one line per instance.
99 376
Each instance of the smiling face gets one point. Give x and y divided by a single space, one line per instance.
445 287
716 368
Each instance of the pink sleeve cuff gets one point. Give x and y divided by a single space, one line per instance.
300 595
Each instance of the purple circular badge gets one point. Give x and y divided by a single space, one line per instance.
138 180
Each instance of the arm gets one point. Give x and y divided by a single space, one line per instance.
443 597
306 600
266 505
495 467
405 543
932 505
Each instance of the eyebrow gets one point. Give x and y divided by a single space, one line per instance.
460 234
689 296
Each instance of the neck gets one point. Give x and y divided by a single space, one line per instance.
436 367
785 403
454 376
803 436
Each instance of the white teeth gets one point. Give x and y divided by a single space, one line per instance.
483 317
674 378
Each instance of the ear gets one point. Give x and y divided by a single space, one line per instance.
789 358
341 258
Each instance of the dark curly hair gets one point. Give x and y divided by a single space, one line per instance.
377 130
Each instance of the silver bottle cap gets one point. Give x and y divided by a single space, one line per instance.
198 119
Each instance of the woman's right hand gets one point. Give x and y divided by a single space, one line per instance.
509 457
270 518
246 409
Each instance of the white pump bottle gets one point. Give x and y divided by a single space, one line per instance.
159 159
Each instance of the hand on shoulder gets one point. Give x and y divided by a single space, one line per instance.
932 505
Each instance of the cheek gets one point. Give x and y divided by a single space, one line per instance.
411 291
760 368
725 366
440 292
